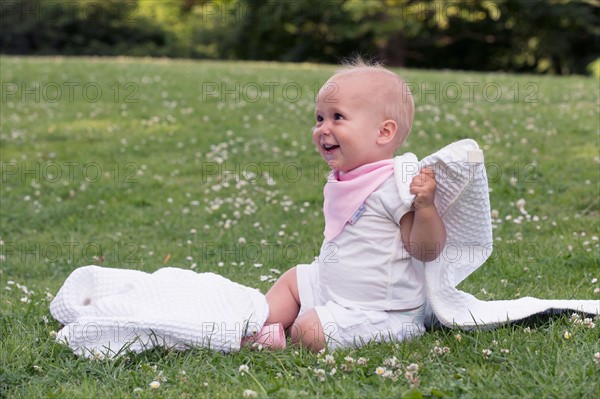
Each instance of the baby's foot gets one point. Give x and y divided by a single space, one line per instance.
270 336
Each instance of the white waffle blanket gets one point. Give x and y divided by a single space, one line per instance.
462 199
106 311
109 310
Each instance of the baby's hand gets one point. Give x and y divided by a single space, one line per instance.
423 187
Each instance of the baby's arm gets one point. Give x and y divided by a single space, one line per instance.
423 231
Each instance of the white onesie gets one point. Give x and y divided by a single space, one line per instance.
366 266
364 285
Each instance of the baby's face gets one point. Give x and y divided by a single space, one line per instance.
347 123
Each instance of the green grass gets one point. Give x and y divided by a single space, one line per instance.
132 179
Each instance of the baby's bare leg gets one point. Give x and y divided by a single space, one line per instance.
308 331
283 299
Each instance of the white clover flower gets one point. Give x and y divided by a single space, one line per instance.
436 350
320 374
588 323
486 353
391 362
597 358
243 369
504 350
257 346
412 375
329 359
388 374
575 318
412 368
249 393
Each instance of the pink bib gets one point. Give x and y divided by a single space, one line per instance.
345 194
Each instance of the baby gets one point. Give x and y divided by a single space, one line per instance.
364 285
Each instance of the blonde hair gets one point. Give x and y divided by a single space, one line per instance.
394 95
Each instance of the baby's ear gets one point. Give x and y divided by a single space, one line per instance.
387 132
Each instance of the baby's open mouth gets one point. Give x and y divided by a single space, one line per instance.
330 147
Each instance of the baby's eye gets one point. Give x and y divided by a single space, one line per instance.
319 118
338 116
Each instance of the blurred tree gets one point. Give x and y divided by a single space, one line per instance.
559 36
84 27
551 36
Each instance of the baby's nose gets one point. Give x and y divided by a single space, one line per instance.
324 129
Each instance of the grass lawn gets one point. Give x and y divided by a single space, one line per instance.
134 163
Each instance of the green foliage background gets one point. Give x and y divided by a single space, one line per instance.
552 36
